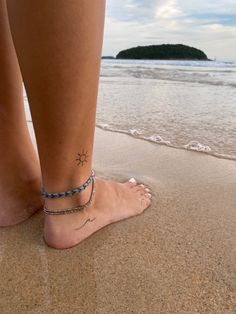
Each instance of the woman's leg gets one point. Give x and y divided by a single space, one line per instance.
58 44
20 175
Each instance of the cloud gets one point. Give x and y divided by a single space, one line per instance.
169 10
206 24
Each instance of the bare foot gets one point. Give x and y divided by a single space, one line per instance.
112 202
19 200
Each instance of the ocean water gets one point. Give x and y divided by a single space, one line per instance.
183 104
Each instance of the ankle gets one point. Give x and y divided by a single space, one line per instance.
61 180
69 201
76 196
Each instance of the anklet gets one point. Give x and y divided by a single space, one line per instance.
69 192
66 211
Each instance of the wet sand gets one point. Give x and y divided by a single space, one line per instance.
177 257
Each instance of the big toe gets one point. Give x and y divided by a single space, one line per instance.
131 183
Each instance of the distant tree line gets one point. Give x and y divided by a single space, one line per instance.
163 52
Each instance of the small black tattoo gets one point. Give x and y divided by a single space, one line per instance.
82 158
88 220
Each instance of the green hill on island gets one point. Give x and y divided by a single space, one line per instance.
163 52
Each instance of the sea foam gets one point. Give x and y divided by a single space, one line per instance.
196 146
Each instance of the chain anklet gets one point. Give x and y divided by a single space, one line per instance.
69 192
66 211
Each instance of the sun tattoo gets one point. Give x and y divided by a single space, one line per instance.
82 158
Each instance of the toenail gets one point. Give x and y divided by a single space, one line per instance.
148 195
147 190
143 186
132 180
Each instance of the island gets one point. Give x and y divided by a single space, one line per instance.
108 57
163 52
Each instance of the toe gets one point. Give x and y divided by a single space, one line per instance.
132 182
142 187
145 203
148 195
148 202
138 190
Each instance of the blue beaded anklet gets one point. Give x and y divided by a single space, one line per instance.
72 210
69 192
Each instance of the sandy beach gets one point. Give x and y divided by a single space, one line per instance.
177 257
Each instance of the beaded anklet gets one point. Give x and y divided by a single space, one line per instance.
69 192
66 211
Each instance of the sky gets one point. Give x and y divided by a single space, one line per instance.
209 25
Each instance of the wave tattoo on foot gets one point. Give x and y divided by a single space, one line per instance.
88 220
82 158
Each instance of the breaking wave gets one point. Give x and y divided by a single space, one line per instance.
194 146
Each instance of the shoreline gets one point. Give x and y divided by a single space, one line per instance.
165 143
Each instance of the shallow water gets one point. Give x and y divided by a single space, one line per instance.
183 104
